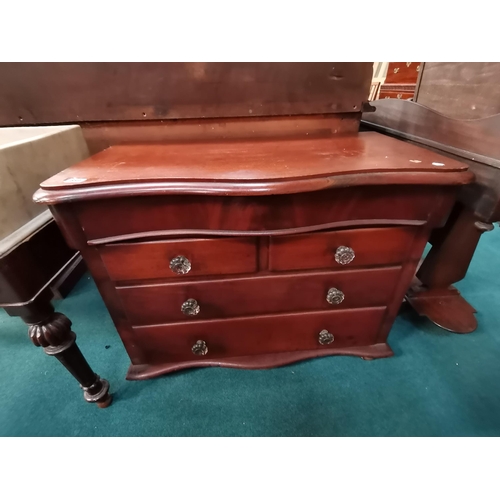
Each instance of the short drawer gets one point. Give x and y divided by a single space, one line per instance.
191 301
179 258
259 335
341 249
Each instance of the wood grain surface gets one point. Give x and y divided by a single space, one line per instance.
259 361
102 135
251 161
130 261
159 216
259 334
371 246
36 93
461 90
274 294
476 140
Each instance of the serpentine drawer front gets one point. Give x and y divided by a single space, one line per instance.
253 253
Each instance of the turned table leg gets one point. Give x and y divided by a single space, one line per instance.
52 331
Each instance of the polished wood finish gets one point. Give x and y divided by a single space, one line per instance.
452 249
138 261
38 269
445 307
102 135
260 222
154 217
257 164
52 331
379 246
34 93
259 334
241 188
478 204
259 361
161 303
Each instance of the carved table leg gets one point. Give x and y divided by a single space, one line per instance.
432 294
52 331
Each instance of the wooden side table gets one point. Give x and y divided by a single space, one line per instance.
478 206
36 264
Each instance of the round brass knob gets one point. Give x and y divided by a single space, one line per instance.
344 255
190 307
325 337
335 296
180 265
200 348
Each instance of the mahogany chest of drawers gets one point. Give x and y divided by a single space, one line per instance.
253 254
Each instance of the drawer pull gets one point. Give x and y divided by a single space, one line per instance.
200 348
344 255
325 337
180 265
335 296
190 307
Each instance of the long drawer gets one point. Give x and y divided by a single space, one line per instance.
338 249
259 335
191 301
179 258
125 217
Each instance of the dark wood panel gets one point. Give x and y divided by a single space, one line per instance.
257 335
31 265
371 246
138 261
156 304
452 249
483 196
102 135
104 218
475 140
37 93
461 90
472 139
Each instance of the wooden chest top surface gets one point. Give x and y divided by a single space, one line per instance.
255 164
254 160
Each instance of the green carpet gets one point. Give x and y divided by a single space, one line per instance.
437 384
